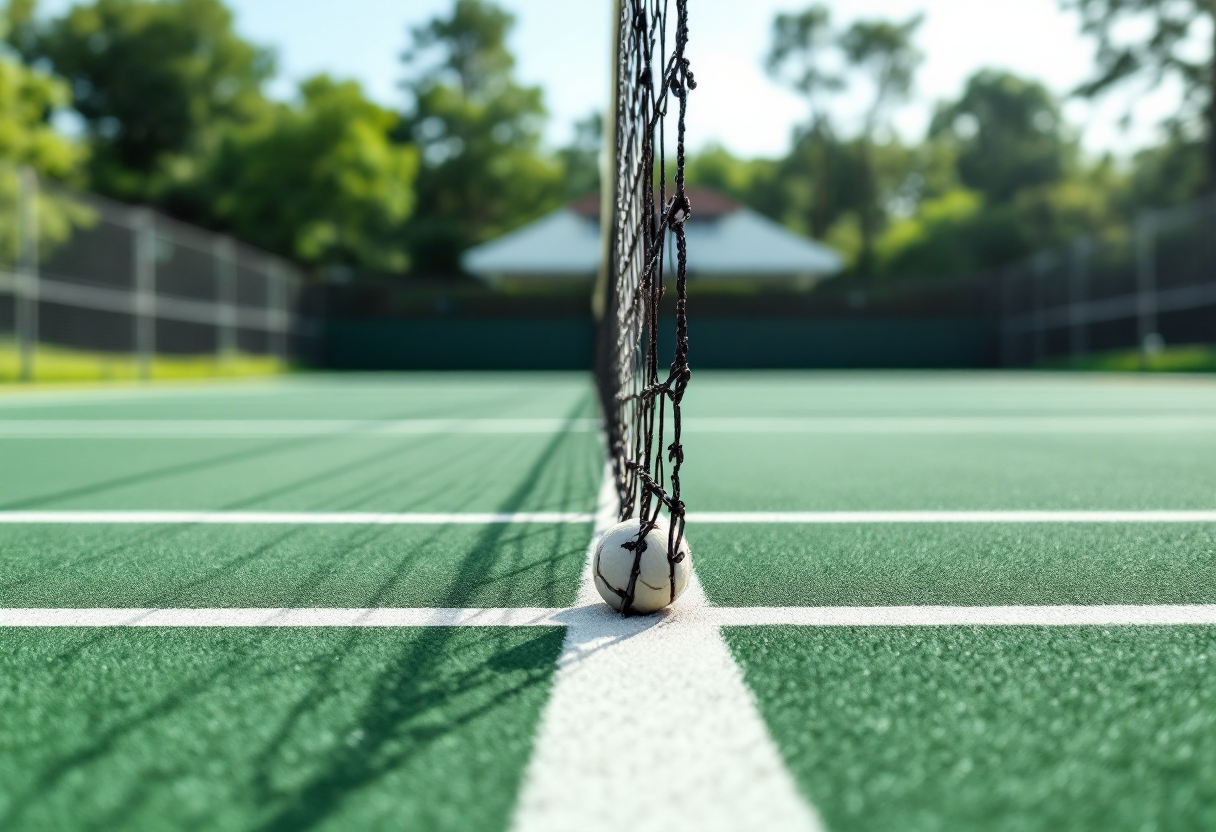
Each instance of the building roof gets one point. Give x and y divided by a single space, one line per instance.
725 240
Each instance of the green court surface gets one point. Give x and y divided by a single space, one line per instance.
268 729
883 727
980 564
993 728
491 565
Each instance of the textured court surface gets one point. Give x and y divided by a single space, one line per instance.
876 727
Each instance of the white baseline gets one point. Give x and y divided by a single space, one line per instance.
1097 615
388 428
373 518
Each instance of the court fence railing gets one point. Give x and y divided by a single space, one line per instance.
1146 286
82 272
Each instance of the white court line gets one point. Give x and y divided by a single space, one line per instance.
269 428
980 516
594 617
272 428
952 424
651 727
322 518
292 517
303 518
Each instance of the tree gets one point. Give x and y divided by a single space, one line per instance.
811 57
320 182
884 52
580 160
479 134
156 81
27 100
801 56
1009 135
1173 25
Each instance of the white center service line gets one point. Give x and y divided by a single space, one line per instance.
650 727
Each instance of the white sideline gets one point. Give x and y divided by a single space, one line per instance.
388 518
650 727
593 617
272 428
828 425
951 424
302 518
980 516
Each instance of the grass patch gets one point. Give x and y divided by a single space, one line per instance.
1184 358
63 364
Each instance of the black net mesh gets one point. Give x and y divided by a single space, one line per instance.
646 255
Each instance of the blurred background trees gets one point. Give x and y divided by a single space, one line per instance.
170 109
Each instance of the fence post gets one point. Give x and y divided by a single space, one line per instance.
145 291
1037 271
1146 278
278 298
224 255
1005 313
1078 309
27 285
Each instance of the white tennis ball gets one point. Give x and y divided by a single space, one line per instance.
614 563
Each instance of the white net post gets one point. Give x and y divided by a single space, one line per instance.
27 285
145 290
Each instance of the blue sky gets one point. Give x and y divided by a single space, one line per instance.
563 46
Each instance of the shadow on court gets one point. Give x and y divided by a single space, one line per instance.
420 719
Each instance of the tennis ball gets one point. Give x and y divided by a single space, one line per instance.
613 564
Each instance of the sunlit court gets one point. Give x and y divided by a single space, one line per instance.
677 415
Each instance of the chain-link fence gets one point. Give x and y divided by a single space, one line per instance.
82 273
1154 284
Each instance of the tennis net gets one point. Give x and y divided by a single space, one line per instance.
645 208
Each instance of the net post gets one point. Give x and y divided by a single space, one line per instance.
28 283
144 280
223 253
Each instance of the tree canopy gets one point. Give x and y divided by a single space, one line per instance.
155 82
351 187
1156 50
479 133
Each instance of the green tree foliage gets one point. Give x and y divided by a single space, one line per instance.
156 81
28 98
479 133
1009 135
845 181
1157 51
884 53
580 160
999 177
753 182
802 56
319 181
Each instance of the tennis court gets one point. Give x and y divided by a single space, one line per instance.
949 600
